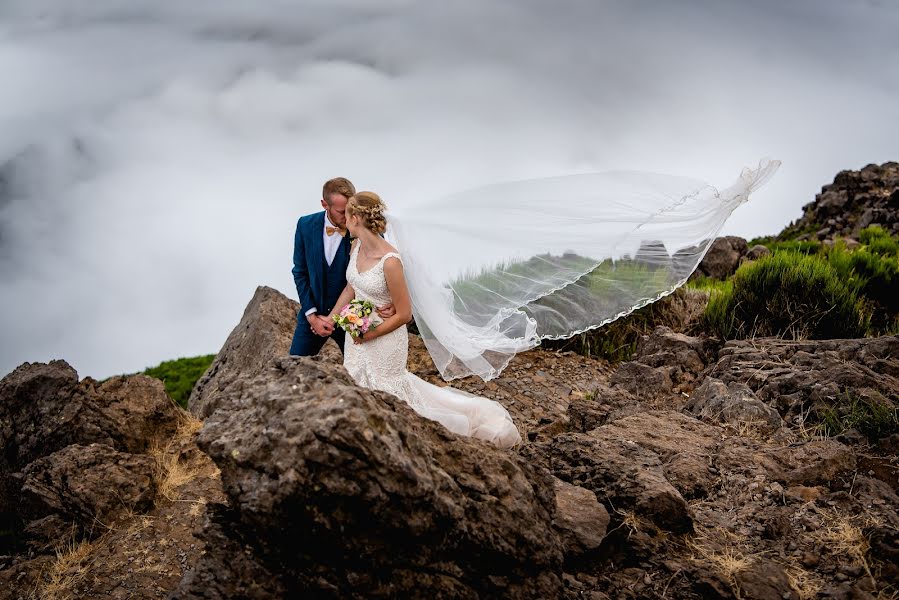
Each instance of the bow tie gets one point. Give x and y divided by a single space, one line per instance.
332 230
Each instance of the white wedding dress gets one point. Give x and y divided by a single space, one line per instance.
381 365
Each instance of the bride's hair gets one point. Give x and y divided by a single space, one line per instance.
370 207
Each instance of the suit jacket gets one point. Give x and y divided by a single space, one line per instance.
310 268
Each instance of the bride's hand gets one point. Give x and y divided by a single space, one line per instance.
386 311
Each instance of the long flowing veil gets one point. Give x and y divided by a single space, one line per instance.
493 271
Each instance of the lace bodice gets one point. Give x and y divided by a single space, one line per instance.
370 285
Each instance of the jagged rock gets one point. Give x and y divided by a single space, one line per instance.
665 363
265 331
92 484
817 462
353 494
735 404
245 577
623 475
644 381
580 519
44 408
723 257
142 410
802 378
765 579
853 201
685 446
603 405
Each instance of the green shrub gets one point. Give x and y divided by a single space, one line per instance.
787 294
872 271
878 240
875 417
802 247
180 376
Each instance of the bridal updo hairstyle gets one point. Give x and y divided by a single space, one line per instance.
370 207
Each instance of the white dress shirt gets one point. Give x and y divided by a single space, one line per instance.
332 243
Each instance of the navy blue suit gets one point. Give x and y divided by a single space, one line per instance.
318 283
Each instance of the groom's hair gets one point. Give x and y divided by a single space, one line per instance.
338 185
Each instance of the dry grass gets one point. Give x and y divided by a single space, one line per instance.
171 470
843 537
722 549
632 522
197 507
69 567
806 583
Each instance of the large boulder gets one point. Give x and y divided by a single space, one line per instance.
44 408
352 494
686 447
264 332
581 520
88 483
723 257
73 454
624 476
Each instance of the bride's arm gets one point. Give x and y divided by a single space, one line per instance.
346 295
396 285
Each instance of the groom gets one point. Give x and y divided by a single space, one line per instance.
321 253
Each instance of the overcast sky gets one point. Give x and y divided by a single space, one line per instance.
155 155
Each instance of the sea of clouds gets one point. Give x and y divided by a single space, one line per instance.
155 155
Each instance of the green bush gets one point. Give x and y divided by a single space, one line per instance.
874 417
872 271
180 376
802 247
787 294
878 240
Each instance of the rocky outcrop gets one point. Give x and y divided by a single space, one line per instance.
722 258
580 519
352 494
855 200
95 482
73 452
665 364
803 379
735 404
692 471
264 332
623 475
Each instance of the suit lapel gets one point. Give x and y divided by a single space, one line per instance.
317 255
318 243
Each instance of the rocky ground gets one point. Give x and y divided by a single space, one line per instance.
695 470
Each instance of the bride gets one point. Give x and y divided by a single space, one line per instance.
527 261
377 359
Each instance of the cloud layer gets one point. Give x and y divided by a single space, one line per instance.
155 156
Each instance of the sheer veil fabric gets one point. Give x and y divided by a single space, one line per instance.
493 271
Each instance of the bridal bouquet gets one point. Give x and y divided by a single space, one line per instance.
355 318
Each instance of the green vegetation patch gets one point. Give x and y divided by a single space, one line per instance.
180 376
790 295
872 415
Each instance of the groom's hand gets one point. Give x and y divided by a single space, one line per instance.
320 325
386 311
